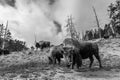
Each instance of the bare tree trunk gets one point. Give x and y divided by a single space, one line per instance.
97 22
113 31
35 41
3 45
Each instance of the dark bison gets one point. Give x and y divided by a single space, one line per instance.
106 36
87 50
73 57
4 52
56 53
42 44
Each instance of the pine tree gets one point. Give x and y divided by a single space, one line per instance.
6 41
114 15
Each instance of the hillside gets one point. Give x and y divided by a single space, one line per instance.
22 65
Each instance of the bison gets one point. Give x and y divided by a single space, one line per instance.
42 44
56 53
87 50
73 57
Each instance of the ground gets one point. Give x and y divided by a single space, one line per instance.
25 66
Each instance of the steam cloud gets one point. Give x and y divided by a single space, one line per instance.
51 2
8 2
58 26
35 16
47 18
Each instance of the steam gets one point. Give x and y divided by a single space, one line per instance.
10 3
46 18
58 26
51 2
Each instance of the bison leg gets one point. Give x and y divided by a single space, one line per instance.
73 63
59 60
79 60
91 61
54 60
50 60
99 60
78 66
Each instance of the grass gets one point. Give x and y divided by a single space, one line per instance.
36 65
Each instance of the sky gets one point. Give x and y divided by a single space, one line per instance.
46 19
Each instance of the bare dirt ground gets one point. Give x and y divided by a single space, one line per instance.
21 66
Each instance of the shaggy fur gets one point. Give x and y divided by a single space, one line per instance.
75 58
55 55
86 49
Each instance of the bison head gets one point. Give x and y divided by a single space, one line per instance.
68 51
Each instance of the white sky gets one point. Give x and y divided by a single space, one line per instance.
31 17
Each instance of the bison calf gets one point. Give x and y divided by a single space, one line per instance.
55 55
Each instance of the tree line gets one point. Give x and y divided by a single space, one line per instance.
112 29
10 43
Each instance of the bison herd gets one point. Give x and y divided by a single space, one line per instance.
42 44
71 50
75 53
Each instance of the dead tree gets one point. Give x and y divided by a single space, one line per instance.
5 35
71 29
35 43
97 21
